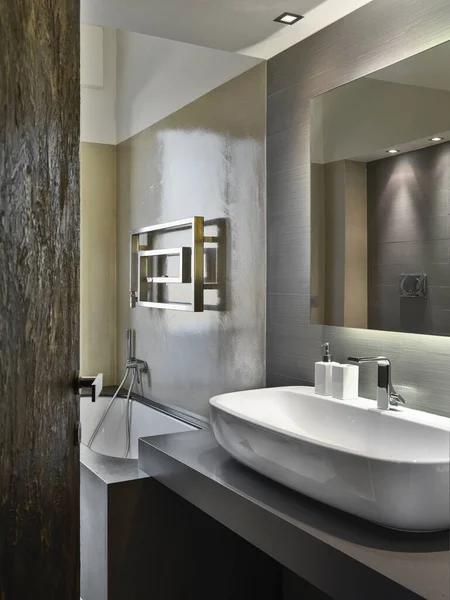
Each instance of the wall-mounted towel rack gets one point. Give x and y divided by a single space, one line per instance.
191 264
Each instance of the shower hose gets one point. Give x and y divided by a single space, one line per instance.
128 412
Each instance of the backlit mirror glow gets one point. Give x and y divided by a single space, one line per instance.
380 199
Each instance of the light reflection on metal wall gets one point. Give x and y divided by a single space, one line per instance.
206 159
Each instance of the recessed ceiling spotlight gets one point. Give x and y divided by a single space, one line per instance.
392 151
288 18
436 139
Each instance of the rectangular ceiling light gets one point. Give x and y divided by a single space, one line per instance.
288 18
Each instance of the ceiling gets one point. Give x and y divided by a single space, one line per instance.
409 146
428 69
233 25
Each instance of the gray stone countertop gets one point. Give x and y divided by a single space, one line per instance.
344 556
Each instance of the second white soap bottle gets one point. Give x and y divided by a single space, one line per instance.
324 373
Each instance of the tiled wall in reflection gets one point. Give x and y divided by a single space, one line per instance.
407 228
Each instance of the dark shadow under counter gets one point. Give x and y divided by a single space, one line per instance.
343 556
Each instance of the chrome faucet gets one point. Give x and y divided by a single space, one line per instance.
139 366
386 394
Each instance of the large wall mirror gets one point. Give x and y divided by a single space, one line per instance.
380 195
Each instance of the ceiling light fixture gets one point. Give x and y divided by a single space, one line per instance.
288 18
436 139
392 151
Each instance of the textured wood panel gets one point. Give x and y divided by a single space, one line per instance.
39 296
375 36
172 550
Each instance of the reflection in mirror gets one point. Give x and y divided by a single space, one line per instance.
380 181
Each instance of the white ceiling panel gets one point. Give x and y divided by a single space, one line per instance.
222 24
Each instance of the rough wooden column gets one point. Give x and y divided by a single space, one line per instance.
39 298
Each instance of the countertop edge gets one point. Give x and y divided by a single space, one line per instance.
110 469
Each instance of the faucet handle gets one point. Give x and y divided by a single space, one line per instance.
396 399
369 359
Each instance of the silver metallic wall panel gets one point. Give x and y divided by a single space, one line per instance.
207 159
94 541
375 36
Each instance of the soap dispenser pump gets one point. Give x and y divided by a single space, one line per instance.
326 353
324 372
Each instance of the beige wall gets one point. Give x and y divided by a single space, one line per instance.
318 244
344 226
356 278
98 260
335 242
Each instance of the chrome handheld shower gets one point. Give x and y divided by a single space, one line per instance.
135 367
130 344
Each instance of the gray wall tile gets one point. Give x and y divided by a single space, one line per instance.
343 51
288 232
288 189
287 150
289 273
280 381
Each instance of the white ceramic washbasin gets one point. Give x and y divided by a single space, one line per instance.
389 467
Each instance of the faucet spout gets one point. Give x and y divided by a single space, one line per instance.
386 394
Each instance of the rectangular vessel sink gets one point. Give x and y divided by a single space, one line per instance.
389 467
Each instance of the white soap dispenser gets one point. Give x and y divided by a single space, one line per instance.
324 373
